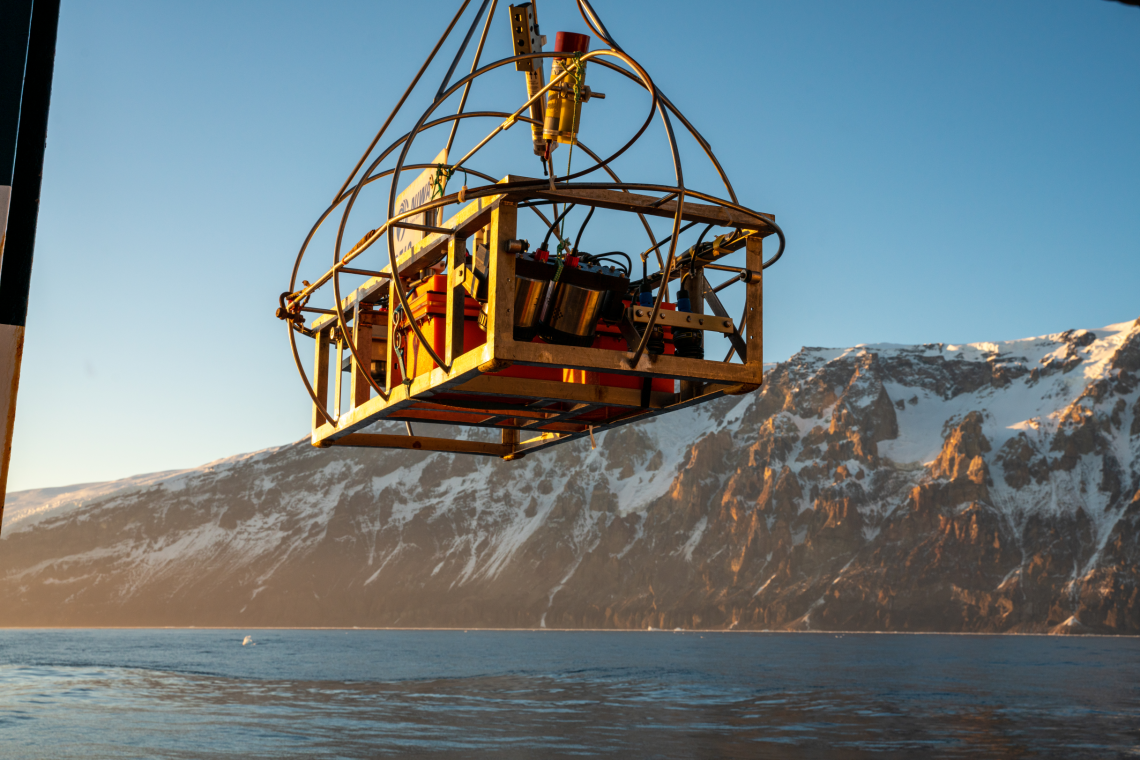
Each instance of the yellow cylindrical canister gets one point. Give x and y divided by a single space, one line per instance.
563 110
534 83
526 40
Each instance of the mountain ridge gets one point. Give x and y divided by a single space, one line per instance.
990 487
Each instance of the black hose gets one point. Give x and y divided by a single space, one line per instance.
697 250
550 229
612 263
582 229
666 239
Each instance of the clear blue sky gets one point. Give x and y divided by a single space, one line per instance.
949 172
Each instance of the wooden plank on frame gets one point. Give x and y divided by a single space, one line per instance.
360 389
456 298
617 362
500 277
421 443
552 390
321 378
754 316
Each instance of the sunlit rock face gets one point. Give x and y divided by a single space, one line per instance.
982 487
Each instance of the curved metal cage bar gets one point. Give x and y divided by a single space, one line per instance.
476 387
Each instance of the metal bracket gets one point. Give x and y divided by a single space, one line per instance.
687 320
628 331
475 273
734 337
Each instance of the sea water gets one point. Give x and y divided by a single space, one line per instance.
517 694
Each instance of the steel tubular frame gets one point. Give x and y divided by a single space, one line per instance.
556 411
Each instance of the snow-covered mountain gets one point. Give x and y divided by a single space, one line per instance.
981 487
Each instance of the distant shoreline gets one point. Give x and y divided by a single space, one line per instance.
564 630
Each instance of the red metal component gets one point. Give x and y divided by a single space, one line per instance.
571 42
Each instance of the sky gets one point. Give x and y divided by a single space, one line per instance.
944 172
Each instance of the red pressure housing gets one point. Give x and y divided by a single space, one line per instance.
571 42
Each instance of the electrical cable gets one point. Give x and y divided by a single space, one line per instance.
578 240
557 219
623 254
696 252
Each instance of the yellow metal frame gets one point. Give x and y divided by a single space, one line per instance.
471 373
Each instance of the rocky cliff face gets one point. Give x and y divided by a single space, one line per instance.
982 487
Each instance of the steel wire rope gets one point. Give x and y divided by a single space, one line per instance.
407 92
462 48
474 66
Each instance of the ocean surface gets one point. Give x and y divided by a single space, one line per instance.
365 693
